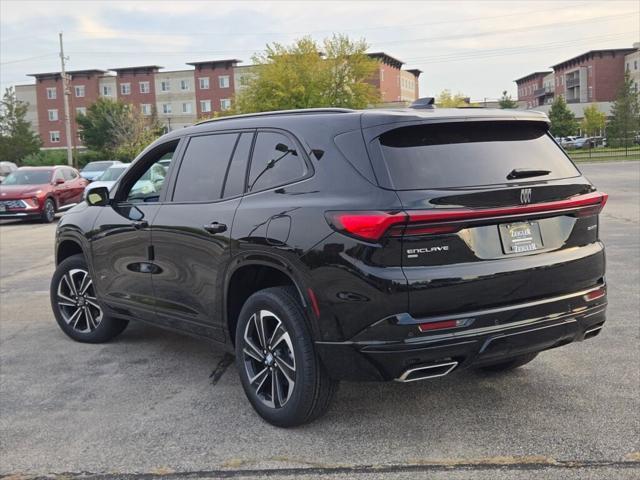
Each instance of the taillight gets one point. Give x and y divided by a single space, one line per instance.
372 225
442 325
365 225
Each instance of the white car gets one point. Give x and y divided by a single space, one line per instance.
107 179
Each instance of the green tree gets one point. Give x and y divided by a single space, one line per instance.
299 76
117 129
563 121
593 122
17 140
446 100
506 101
625 115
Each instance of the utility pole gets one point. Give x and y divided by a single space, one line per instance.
66 93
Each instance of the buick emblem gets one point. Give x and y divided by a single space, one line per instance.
525 195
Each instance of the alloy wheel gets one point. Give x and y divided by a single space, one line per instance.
49 211
77 301
269 359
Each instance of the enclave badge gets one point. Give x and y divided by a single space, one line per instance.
525 195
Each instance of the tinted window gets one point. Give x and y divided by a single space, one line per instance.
466 154
203 168
69 174
97 166
275 161
238 168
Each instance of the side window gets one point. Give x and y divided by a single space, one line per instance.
237 173
203 168
69 174
275 162
148 185
58 175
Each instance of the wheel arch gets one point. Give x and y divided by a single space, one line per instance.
68 247
250 275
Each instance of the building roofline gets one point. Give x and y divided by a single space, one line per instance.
415 71
533 74
386 58
224 61
585 55
92 71
140 68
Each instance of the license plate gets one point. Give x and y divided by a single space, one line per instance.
3 208
520 237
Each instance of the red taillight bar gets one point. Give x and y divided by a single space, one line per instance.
371 225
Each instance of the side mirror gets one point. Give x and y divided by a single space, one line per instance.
98 197
59 181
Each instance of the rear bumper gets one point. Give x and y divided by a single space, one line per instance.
394 345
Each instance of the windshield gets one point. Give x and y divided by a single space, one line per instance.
28 177
112 174
97 166
453 155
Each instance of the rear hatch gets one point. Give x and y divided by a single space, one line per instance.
495 214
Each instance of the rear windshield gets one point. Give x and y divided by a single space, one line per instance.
470 153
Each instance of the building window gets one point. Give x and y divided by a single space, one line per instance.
165 86
590 92
203 83
54 136
223 81
52 94
81 111
184 84
144 87
244 80
205 106
53 115
166 108
186 107
145 108
125 88
79 90
107 90
225 104
635 64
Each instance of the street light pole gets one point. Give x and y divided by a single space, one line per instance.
66 93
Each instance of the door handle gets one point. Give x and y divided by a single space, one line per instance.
215 227
138 224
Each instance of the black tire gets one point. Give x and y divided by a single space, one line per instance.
48 214
279 311
510 364
75 306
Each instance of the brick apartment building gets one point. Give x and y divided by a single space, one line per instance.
179 98
593 77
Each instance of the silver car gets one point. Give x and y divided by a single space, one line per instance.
107 179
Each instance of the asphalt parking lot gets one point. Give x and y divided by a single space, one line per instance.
157 404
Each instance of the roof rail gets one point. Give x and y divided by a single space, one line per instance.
303 111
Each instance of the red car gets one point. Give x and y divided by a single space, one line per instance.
40 192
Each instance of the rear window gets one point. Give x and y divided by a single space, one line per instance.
471 153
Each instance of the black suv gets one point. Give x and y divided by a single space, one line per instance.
326 245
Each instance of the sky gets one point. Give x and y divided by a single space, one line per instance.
473 47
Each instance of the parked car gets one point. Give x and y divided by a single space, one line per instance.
569 142
6 168
40 192
107 179
93 170
331 244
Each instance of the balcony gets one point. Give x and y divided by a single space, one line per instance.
573 82
541 92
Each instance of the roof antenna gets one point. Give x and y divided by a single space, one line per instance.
424 102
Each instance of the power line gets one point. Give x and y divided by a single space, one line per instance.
28 58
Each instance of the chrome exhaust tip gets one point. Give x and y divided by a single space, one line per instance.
426 372
592 332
